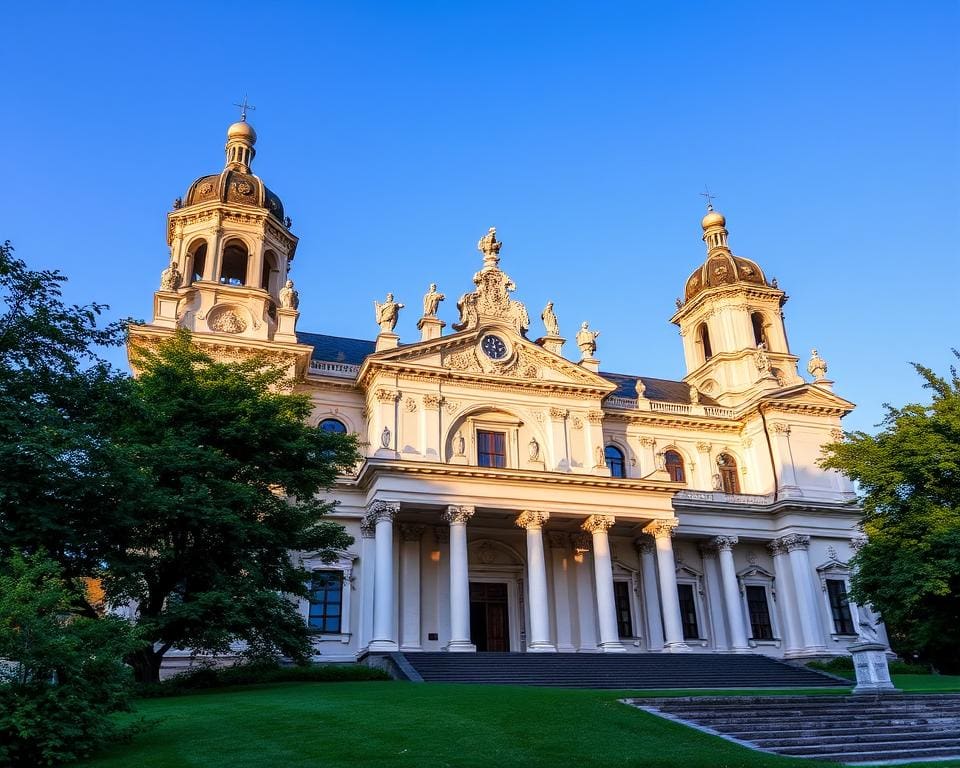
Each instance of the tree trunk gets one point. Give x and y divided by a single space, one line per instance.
146 665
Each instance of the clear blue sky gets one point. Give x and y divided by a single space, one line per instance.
397 133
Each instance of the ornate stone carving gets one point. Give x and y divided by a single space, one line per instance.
289 296
533 449
595 417
227 321
459 444
752 557
576 423
487 553
660 529
431 301
694 395
761 359
385 437
532 519
644 544
780 427
458 514
171 278
837 434
587 341
387 313
725 543
558 539
704 447
382 510
776 547
410 405
550 322
641 389
464 361
597 523
817 366
410 532
558 413
491 300
432 402
796 541
647 442
707 549
450 406
747 442
832 552
368 528
489 246
385 395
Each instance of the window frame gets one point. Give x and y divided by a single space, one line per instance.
332 420
325 614
619 459
844 605
483 432
729 471
624 609
682 586
766 610
667 465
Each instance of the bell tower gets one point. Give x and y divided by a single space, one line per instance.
731 322
230 253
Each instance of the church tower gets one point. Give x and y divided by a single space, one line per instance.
230 252
731 322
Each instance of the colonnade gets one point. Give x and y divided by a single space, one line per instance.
595 596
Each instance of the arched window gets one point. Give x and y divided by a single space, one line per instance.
703 336
727 468
269 267
759 332
234 268
614 459
333 425
199 262
673 461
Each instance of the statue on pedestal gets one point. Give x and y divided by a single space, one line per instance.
387 314
550 321
289 296
431 301
171 277
817 367
587 340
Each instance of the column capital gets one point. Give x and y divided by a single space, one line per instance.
458 514
707 549
644 544
598 523
441 534
532 519
368 528
409 532
725 543
796 541
776 547
382 510
558 539
661 529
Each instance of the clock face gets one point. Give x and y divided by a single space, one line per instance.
494 347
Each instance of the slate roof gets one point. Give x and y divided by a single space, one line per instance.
339 349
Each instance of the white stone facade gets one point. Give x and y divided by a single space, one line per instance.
513 499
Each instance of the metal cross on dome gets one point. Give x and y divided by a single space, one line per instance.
709 195
244 107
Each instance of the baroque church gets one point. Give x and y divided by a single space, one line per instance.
513 499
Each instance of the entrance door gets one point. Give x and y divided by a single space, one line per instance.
489 627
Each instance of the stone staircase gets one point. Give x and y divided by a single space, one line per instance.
630 671
845 729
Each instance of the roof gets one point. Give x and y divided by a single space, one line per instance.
663 390
340 349
337 349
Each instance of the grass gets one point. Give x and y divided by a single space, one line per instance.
301 725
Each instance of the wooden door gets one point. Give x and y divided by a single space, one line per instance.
489 622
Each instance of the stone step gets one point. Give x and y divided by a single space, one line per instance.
859 740
936 753
820 732
872 746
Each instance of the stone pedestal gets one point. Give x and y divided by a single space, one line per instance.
591 364
552 344
386 340
870 663
165 305
430 328
286 324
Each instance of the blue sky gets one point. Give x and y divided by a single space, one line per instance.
396 133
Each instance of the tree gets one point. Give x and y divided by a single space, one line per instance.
218 479
909 480
62 674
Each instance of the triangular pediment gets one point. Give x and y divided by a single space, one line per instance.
491 351
807 396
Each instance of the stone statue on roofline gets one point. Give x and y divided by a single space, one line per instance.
171 277
587 340
289 296
550 321
817 367
387 314
431 301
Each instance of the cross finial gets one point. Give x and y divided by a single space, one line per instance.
709 195
243 108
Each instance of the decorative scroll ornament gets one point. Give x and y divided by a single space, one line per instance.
491 300
532 519
458 515
761 359
382 510
228 321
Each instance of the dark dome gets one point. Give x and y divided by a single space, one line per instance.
236 188
723 268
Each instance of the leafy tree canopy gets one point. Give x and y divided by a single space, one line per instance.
909 479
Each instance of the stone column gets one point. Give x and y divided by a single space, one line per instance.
786 470
382 513
367 555
662 532
731 594
441 536
586 604
786 599
809 610
459 579
430 428
598 525
557 435
538 639
713 585
559 553
651 596
410 535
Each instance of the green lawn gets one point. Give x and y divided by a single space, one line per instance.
301 725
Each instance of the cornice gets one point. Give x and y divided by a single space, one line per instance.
748 290
676 420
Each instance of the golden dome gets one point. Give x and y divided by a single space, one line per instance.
242 130
713 219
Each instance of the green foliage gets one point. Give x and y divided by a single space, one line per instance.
909 479
62 673
205 678
219 477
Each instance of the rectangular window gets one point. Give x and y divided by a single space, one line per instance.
759 610
491 449
326 600
621 595
688 612
840 607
